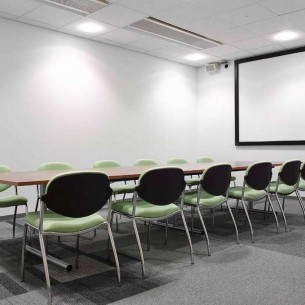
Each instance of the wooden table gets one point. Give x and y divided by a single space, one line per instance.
115 174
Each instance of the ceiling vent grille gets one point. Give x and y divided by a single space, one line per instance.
81 7
169 31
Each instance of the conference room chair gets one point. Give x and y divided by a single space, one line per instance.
286 184
212 193
155 193
11 200
144 162
70 207
209 159
256 187
50 166
302 178
118 189
189 181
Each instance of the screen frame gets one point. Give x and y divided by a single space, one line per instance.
236 88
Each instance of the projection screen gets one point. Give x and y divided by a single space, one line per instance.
270 99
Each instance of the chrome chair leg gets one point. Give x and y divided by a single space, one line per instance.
205 231
213 220
188 237
116 259
45 266
25 230
192 219
234 222
248 218
77 252
148 236
117 222
282 211
139 246
273 211
236 208
166 232
108 243
265 207
14 221
301 202
283 203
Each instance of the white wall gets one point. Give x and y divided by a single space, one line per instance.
69 99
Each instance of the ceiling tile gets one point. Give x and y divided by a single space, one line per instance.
236 56
233 35
182 15
122 36
248 14
281 7
106 41
150 43
296 30
8 16
253 43
73 28
148 7
297 18
117 15
294 44
219 6
51 15
18 7
210 26
266 50
37 23
269 26
222 50
172 50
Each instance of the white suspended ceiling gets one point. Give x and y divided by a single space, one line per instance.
244 27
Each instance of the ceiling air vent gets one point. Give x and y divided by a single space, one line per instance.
169 31
81 7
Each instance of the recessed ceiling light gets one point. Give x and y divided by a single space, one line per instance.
286 35
90 27
195 56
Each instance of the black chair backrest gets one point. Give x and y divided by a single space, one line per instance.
161 186
77 194
290 172
258 175
303 171
216 179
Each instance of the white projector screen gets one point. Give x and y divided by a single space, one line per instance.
270 99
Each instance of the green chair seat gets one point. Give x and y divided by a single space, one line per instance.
283 189
10 201
206 199
302 185
60 224
233 178
145 209
250 194
123 188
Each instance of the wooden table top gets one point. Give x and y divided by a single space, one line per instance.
114 173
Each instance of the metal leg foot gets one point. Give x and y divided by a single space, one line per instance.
205 231
188 237
139 245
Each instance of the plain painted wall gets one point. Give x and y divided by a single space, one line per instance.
64 98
